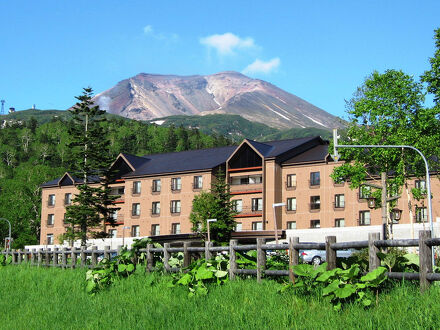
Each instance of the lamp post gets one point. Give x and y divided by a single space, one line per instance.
275 224
428 179
9 236
207 227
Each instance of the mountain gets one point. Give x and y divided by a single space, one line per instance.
237 128
150 96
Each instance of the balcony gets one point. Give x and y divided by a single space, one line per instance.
251 188
248 212
119 220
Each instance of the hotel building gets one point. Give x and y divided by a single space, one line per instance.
156 191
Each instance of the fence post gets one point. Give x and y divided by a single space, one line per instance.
186 254
261 258
26 255
106 252
40 256
149 258
425 256
33 257
73 256
293 257
232 259
166 257
19 257
46 257
374 261
64 257
83 256
208 254
94 256
55 257
330 254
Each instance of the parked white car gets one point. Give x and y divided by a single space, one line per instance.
317 257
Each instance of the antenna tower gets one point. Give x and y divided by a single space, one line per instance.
3 106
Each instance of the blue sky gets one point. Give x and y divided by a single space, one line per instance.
318 50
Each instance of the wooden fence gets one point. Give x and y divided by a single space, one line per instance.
72 258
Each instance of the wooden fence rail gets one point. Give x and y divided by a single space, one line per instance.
73 257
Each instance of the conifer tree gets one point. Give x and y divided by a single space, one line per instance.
215 204
90 148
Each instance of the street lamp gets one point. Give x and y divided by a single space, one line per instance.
9 237
207 226
275 225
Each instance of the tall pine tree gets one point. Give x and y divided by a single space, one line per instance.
91 208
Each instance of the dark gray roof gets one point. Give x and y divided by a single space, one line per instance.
276 148
183 161
135 161
317 153
90 179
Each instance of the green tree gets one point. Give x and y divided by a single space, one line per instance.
92 205
215 204
432 77
388 110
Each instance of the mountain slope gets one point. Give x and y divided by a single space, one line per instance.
148 96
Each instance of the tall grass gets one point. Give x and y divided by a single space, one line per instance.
38 298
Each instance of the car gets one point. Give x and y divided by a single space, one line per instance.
317 257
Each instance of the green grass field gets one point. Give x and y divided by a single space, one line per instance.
38 298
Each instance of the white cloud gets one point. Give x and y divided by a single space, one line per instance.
149 31
227 43
259 66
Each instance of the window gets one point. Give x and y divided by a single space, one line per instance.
49 239
113 233
136 187
421 214
155 230
155 208
339 201
257 225
51 200
291 204
114 215
50 219
156 186
421 185
291 181
135 231
175 228
136 209
257 204
340 222
291 224
364 218
198 182
315 202
238 226
315 223
315 179
175 206
249 179
237 205
176 184
67 199
364 192
117 191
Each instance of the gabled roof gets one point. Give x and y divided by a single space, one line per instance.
276 148
70 180
183 161
318 153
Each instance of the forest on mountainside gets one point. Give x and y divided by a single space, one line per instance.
33 153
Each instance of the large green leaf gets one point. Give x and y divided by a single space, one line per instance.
346 291
203 274
121 268
331 287
130 268
185 280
